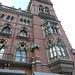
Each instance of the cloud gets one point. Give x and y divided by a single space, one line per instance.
7 2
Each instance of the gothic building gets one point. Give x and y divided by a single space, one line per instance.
33 42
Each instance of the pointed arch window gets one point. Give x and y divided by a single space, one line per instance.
46 10
21 20
58 50
6 29
2 48
2 16
28 22
23 33
21 54
12 18
40 9
8 18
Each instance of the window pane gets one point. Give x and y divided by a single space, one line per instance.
1 56
50 50
53 49
54 53
18 53
2 50
62 49
23 54
51 55
63 53
58 48
59 53
24 59
17 59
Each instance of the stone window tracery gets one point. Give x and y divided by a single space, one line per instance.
21 53
2 48
23 33
41 9
50 29
6 29
57 49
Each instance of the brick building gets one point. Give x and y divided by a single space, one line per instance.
33 42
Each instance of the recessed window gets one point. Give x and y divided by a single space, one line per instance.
23 33
21 54
8 18
40 9
2 16
28 22
6 29
12 18
21 20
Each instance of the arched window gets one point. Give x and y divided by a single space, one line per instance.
8 18
6 29
24 22
55 30
2 48
21 53
40 9
46 10
57 49
46 31
21 20
28 22
1 16
23 33
12 18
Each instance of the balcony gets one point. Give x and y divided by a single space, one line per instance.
61 65
8 34
23 36
15 61
47 16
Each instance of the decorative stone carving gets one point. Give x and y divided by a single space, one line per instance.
34 46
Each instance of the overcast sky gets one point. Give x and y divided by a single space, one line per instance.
65 11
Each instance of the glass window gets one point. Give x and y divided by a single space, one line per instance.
2 16
63 51
21 55
21 20
28 22
23 33
8 18
6 29
59 52
24 22
1 52
48 29
55 30
12 18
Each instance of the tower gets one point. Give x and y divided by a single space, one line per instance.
33 41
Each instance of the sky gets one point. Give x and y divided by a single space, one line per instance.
64 9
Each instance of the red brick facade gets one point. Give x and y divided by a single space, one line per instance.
28 31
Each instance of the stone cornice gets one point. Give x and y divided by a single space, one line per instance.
45 1
15 11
